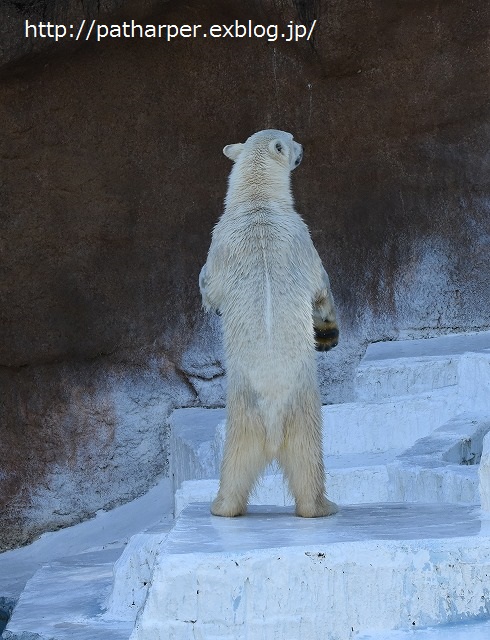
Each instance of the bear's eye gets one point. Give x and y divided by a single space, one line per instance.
278 147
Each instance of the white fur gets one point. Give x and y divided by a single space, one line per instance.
265 278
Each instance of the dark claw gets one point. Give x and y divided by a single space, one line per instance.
326 340
325 347
327 334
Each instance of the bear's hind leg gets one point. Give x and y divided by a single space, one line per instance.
301 457
243 460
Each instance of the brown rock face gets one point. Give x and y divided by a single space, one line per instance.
112 177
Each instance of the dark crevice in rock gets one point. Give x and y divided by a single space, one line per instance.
188 384
59 361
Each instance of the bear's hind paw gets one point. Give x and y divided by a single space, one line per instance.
227 508
317 510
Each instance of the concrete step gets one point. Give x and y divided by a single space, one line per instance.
484 474
370 427
90 596
404 367
479 630
346 484
441 467
65 600
109 529
197 435
133 572
60 583
376 568
196 443
406 389
270 575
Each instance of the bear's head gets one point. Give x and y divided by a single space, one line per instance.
270 144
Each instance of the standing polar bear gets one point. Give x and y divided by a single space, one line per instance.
265 278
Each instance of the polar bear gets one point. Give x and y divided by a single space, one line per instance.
264 277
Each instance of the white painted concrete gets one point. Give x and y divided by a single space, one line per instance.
453 344
133 572
484 475
110 529
348 485
354 428
65 600
479 630
402 367
441 467
273 576
406 390
196 443
389 424
370 572
378 380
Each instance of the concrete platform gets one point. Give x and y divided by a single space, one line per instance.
439 468
65 600
256 576
403 367
454 344
348 482
479 630
354 428
406 390
387 567
271 575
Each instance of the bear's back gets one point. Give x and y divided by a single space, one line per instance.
264 244
268 278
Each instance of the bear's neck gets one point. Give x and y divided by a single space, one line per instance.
258 186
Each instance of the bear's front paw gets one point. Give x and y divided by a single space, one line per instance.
326 335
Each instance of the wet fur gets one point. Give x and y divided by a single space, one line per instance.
265 278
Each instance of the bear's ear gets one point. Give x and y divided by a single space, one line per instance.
278 148
232 151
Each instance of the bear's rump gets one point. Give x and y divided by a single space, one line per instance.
266 397
270 369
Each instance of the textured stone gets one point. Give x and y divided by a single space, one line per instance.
484 473
14 13
79 438
371 567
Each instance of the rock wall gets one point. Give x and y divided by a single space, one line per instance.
112 178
